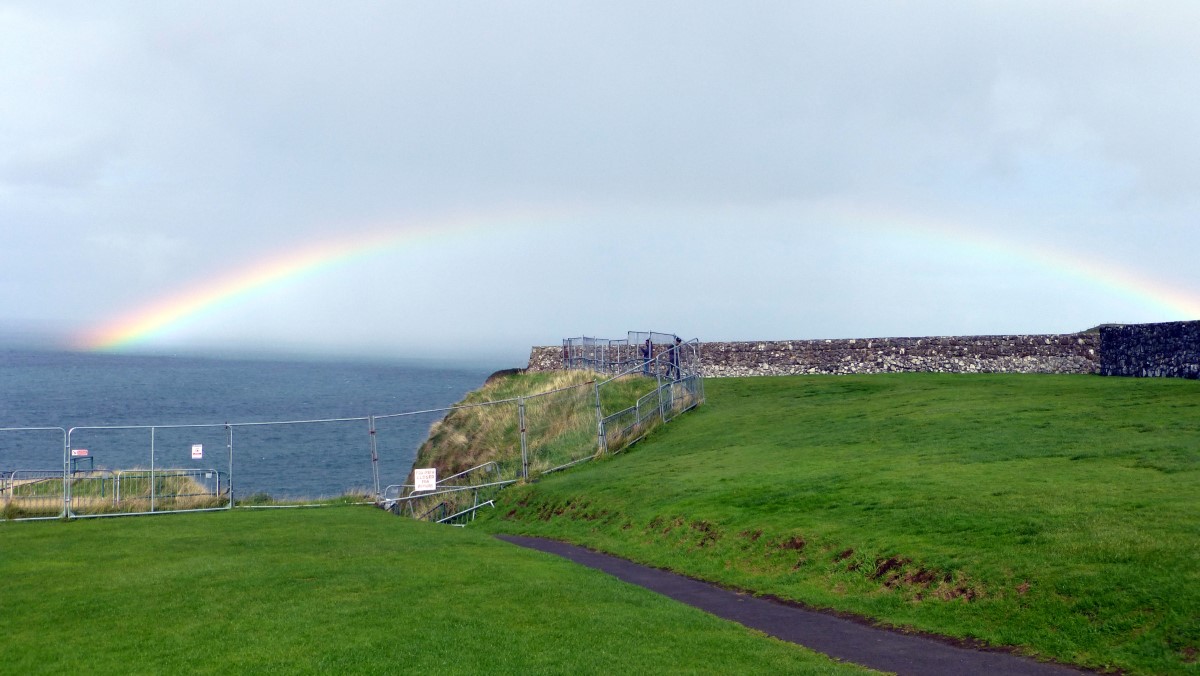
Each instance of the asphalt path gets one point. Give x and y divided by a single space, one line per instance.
835 636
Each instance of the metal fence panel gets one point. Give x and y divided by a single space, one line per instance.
32 472
399 438
302 459
658 353
629 408
561 428
144 469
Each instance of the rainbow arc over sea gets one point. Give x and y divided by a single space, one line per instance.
175 310
289 266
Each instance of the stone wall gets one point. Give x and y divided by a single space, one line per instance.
1170 349
546 358
1062 353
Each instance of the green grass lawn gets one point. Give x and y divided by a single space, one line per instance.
339 590
1060 514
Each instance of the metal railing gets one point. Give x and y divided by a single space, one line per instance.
670 397
30 494
609 415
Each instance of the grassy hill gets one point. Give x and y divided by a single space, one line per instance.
479 442
481 432
1060 514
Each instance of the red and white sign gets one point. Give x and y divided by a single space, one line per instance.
78 452
197 451
425 479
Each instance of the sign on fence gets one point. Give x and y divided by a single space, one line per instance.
425 479
197 451
79 452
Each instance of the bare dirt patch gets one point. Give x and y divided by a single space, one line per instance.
794 543
752 536
708 532
885 566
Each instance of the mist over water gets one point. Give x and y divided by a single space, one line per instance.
300 459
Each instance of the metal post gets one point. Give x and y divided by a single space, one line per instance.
658 392
374 455
66 513
524 440
230 428
601 446
151 469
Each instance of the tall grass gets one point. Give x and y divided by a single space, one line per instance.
561 427
101 493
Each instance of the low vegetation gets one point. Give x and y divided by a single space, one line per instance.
340 590
1056 514
103 492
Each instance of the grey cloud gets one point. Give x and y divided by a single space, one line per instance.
166 141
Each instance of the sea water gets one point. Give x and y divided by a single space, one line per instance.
285 428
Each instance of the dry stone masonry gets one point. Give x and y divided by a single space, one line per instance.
1170 349
1072 353
1066 353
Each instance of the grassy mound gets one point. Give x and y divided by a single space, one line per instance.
1060 514
560 426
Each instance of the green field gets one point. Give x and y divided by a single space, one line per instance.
339 590
1060 514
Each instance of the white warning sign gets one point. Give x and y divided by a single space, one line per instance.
197 451
425 479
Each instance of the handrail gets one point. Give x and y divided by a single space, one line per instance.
468 510
440 481
451 489
468 471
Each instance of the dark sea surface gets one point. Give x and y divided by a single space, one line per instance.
299 429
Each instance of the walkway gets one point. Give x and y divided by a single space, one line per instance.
834 636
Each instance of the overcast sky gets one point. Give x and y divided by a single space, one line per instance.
726 171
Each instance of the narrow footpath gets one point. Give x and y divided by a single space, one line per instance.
834 636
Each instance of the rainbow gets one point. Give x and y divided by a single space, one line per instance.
1168 302
174 310
191 303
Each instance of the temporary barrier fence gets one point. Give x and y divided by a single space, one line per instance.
659 354
141 469
301 460
38 489
144 469
555 430
624 424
